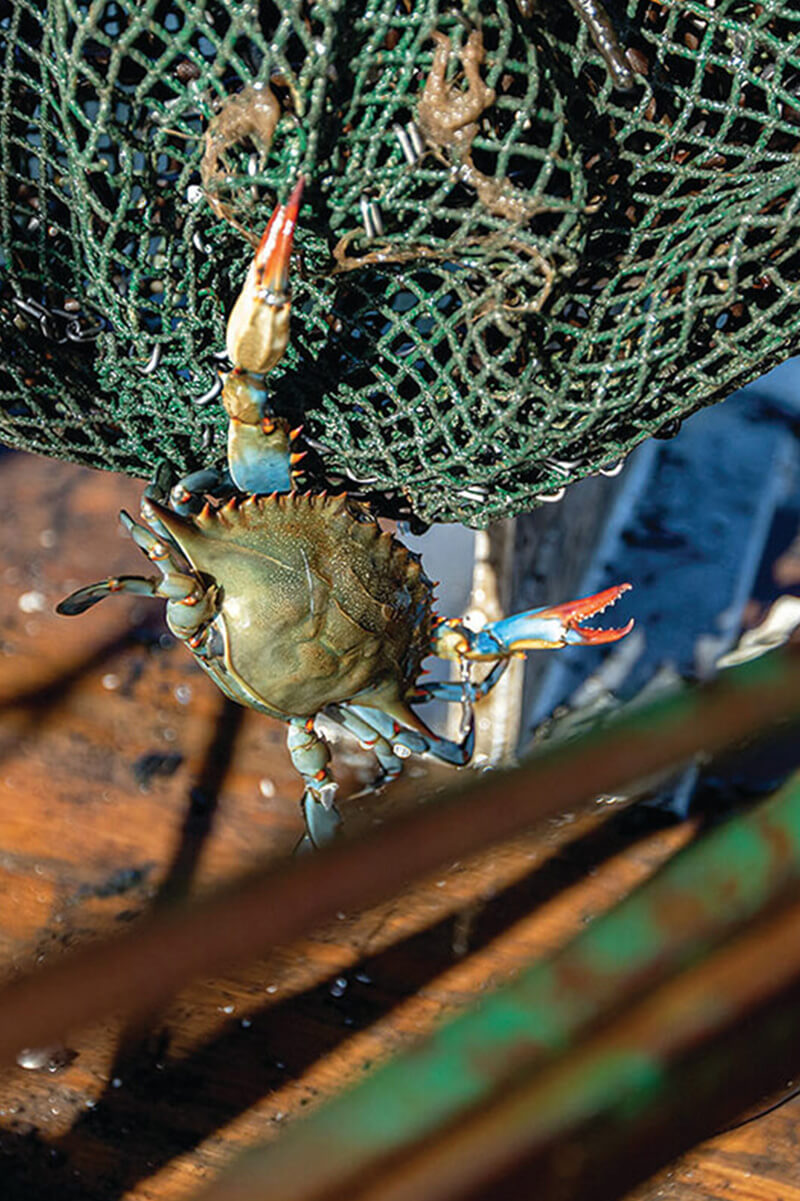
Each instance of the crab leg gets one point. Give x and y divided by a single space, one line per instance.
259 450
84 598
451 690
418 738
537 629
190 606
310 757
364 729
189 494
175 584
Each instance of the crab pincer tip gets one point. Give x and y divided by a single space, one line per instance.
275 248
593 637
293 203
520 631
574 612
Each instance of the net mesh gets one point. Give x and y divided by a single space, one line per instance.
483 312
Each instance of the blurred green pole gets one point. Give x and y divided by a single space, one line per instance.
395 1121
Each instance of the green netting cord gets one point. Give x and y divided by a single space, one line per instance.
578 270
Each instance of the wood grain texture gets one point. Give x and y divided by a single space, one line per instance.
126 780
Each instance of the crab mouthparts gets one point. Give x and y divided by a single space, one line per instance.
573 613
275 248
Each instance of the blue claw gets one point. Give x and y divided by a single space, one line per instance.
557 626
538 629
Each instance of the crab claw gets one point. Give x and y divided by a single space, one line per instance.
258 327
560 625
538 629
274 250
572 613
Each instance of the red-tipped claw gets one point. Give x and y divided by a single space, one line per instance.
275 249
572 613
538 629
258 327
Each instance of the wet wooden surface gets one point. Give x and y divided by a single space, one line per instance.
126 780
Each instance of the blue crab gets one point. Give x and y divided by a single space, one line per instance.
297 603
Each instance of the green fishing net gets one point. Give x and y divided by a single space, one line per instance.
482 313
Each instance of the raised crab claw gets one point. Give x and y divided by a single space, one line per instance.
296 603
